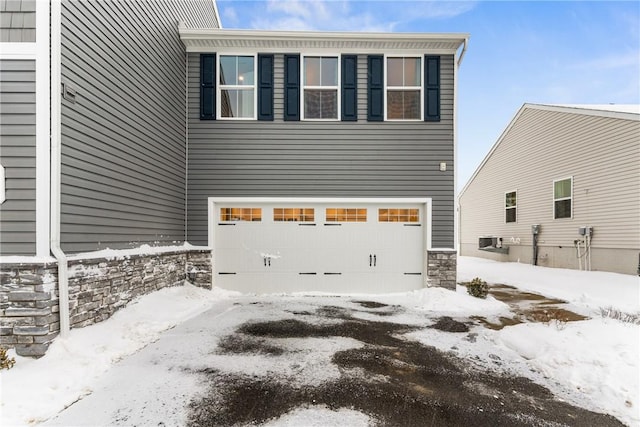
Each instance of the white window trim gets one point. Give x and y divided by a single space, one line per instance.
553 196
219 87
386 87
510 207
305 87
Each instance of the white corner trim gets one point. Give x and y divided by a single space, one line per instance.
20 50
43 116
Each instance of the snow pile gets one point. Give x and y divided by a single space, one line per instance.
119 254
597 358
443 301
592 289
34 390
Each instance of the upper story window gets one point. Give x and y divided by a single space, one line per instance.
562 198
237 87
510 206
404 88
320 87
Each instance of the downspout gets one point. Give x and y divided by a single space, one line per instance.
456 218
56 148
464 50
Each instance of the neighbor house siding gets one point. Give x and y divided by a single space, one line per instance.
123 139
18 21
18 156
320 159
600 153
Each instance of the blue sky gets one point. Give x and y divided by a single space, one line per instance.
567 52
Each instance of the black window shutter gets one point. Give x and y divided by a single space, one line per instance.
375 88
265 87
292 87
432 88
349 88
208 86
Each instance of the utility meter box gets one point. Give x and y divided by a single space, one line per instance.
535 229
585 231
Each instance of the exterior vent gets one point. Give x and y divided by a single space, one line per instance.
489 242
492 244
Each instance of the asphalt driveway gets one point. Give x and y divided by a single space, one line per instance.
335 360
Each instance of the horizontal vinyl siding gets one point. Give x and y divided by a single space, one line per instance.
18 156
320 159
18 21
123 154
603 156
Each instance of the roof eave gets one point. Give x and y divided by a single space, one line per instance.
206 38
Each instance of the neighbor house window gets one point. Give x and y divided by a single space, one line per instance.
320 87
237 87
241 214
398 215
293 214
404 88
346 215
510 206
562 195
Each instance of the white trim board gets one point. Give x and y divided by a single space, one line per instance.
43 117
21 50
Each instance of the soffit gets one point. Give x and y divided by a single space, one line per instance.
196 40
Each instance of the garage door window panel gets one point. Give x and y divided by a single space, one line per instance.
293 214
346 215
240 214
399 215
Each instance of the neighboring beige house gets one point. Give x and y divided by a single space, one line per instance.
571 170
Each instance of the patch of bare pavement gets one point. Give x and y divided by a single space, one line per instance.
394 381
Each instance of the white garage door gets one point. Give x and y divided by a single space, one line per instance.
326 247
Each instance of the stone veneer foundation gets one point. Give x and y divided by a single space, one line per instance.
98 287
441 269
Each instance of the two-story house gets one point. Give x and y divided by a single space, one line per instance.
143 145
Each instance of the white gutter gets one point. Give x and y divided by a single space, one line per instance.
56 148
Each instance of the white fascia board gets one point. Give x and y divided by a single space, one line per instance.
204 40
43 115
19 50
217 12
372 37
629 112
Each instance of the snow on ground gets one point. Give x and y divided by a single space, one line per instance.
321 417
591 289
35 389
594 363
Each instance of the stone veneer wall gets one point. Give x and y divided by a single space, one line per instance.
441 269
97 289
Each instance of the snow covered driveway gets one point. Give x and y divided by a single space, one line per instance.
317 359
410 358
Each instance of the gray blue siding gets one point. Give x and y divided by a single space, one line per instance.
321 159
18 156
17 21
123 139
